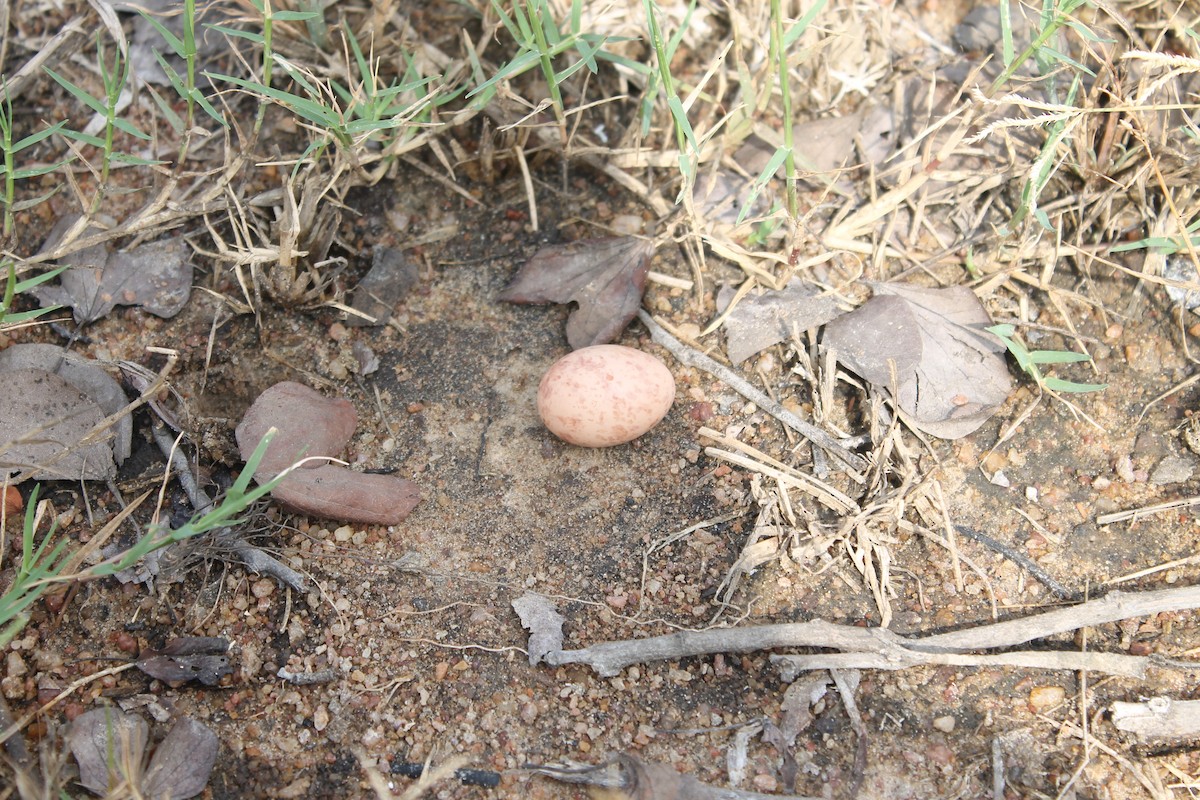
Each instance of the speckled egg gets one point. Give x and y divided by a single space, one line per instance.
604 395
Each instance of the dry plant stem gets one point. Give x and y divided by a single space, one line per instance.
1019 558
700 361
887 648
618 772
254 559
63 43
1137 513
307 678
846 690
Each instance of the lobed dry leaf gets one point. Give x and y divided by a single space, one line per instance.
156 276
604 277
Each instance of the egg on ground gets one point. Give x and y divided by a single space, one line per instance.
604 395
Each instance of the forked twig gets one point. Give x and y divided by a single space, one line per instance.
881 649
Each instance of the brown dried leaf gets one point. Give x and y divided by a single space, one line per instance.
181 765
106 742
605 277
765 318
43 419
950 373
200 658
156 276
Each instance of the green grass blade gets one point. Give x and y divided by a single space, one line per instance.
1060 385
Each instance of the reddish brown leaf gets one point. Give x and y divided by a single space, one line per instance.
605 277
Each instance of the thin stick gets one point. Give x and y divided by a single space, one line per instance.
1121 516
609 658
700 361
63 695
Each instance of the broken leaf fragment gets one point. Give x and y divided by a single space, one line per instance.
544 623
604 277
765 318
930 350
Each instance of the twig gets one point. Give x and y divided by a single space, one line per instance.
700 361
632 777
307 678
886 650
1136 513
255 559
1019 558
846 684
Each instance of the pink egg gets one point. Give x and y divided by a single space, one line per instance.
604 395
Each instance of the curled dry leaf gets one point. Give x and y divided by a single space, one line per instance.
109 745
182 762
544 623
928 348
188 658
605 277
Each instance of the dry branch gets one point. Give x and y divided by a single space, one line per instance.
881 649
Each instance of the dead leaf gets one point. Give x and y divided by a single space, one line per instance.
605 277
86 375
105 742
544 623
764 318
156 276
950 374
200 658
43 419
390 278
182 763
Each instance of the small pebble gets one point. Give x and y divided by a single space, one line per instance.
944 723
1043 697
